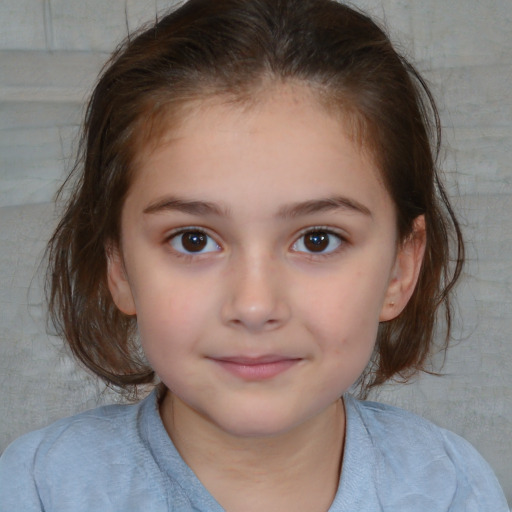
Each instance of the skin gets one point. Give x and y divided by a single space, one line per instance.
255 335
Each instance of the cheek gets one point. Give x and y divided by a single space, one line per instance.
171 315
342 313
350 301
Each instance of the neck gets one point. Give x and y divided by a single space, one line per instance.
296 470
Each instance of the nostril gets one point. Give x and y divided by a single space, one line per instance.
255 319
255 323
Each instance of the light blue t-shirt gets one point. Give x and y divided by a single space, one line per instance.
120 458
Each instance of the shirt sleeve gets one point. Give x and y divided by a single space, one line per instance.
478 488
18 490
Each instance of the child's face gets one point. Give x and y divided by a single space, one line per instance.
260 253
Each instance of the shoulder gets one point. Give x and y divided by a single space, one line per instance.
92 430
69 451
425 462
112 458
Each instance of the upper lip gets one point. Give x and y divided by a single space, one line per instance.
253 361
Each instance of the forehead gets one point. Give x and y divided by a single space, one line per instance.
173 119
282 148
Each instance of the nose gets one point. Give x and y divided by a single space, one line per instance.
256 298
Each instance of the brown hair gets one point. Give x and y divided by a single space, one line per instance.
233 47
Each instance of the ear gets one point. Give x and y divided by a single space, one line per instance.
118 283
406 271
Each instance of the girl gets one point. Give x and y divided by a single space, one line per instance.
256 224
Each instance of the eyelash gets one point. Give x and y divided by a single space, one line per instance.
191 230
318 230
340 240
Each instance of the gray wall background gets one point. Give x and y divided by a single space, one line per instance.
50 53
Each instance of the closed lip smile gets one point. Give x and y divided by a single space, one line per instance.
256 368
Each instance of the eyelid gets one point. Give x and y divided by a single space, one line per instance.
191 229
343 241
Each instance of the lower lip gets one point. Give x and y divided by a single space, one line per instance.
257 371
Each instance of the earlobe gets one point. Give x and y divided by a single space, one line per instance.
118 283
405 272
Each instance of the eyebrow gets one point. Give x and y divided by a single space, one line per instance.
198 208
324 205
186 206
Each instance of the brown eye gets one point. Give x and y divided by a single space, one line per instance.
193 242
317 241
